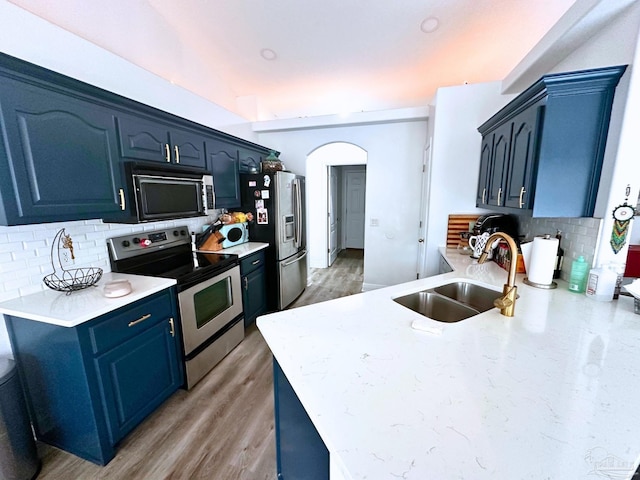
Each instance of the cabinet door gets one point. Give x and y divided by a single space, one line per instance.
59 159
499 165
250 160
518 191
141 139
485 169
137 376
254 295
187 148
223 163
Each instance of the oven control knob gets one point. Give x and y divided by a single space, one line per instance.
183 232
145 242
125 243
175 233
136 240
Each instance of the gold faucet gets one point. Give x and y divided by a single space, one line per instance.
506 303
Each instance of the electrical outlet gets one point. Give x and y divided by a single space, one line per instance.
65 258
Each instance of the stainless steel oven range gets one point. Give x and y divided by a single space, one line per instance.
208 285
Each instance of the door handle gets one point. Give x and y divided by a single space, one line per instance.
167 153
172 330
177 153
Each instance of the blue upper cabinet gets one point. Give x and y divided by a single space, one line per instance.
145 139
58 155
63 145
223 163
542 154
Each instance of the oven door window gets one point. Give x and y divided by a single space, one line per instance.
212 301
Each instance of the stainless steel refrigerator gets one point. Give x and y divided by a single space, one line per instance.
277 203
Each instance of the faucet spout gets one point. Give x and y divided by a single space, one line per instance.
507 302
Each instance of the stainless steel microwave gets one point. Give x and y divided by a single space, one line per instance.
164 192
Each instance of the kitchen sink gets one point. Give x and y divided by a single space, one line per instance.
451 302
470 294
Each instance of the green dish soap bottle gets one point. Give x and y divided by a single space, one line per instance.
578 277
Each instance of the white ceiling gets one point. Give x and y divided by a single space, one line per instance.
332 56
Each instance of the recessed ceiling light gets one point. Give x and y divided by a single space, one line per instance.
430 24
268 54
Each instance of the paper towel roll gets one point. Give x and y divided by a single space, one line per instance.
543 260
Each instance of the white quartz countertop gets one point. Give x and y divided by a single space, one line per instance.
57 308
551 393
242 250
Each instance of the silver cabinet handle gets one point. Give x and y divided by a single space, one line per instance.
484 193
522 190
167 153
499 195
246 283
141 319
255 262
177 153
122 200
172 330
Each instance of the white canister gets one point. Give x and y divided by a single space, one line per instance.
601 283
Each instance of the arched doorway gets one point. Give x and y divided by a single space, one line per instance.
328 169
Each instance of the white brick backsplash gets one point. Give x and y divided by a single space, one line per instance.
579 236
25 250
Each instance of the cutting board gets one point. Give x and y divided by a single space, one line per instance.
458 223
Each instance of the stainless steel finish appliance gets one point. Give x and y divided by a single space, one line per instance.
161 192
496 222
277 203
209 291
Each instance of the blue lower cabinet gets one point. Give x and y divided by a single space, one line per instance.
254 286
300 451
88 386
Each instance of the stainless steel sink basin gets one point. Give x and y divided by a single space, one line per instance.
470 294
451 302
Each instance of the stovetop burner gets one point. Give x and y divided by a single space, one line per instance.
166 253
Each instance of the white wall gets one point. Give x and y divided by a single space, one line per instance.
455 157
394 165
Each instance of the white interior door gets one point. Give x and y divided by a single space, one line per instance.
332 215
355 182
424 200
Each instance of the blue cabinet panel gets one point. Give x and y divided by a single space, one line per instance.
59 156
301 453
137 376
146 139
88 386
254 286
547 146
223 163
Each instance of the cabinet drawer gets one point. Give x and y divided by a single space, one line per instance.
116 328
250 263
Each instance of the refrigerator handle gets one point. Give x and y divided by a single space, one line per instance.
296 260
297 212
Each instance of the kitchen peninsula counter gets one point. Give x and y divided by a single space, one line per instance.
549 393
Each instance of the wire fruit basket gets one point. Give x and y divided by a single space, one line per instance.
71 280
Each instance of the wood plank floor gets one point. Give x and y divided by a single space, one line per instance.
222 429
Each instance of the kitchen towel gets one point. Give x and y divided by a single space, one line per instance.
540 259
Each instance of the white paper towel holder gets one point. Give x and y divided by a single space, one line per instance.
540 285
547 286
